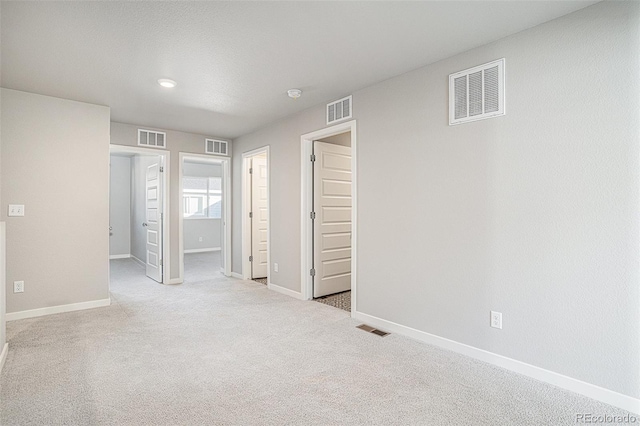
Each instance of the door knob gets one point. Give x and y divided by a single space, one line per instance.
145 224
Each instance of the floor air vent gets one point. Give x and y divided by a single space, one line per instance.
370 329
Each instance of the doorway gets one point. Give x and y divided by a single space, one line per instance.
255 212
204 217
138 216
328 243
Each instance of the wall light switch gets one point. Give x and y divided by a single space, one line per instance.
16 209
275 267
18 286
200 239
496 320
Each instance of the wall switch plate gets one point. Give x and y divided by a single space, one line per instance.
200 239
496 320
275 267
18 286
16 210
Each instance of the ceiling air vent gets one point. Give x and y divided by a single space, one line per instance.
477 93
214 146
339 110
152 138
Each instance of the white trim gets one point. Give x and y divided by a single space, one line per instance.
583 388
246 201
285 291
226 213
32 313
306 230
165 161
135 259
237 275
203 250
119 256
3 355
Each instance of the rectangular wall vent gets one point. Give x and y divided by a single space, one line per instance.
477 93
152 138
339 110
215 146
370 329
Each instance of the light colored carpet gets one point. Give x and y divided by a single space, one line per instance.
230 352
338 300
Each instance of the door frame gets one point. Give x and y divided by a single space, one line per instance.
165 159
246 223
306 226
226 211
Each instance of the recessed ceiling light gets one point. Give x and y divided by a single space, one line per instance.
294 93
165 82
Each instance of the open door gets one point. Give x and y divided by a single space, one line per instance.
332 223
153 224
259 217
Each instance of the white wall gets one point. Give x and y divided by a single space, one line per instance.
120 205
55 153
127 134
534 214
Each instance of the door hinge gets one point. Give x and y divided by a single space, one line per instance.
250 170
312 272
313 158
250 215
250 258
160 262
313 215
161 169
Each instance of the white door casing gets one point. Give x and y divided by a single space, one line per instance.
259 217
153 224
332 223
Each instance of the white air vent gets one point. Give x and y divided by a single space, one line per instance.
339 110
152 138
214 146
477 93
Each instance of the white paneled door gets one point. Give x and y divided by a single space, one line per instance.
259 216
332 223
153 223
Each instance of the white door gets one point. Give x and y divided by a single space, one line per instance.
259 217
153 224
332 224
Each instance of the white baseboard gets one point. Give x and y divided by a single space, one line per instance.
139 261
583 388
202 250
32 313
119 256
3 355
283 290
173 281
237 275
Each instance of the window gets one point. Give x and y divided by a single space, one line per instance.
202 197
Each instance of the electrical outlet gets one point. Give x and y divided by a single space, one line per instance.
496 320
18 286
200 239
275 267
16 210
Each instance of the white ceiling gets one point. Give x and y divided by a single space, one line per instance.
234 61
